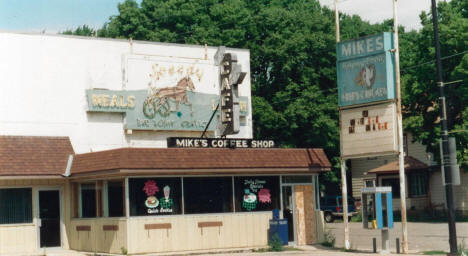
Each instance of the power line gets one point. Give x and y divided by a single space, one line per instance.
432 61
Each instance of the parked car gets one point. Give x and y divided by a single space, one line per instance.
333 209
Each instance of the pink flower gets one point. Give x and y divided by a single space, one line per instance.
150 188
264 196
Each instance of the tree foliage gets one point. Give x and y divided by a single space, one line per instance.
419 79
84 30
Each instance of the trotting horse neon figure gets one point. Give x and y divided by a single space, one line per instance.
158 100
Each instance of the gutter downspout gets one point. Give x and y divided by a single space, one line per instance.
69 165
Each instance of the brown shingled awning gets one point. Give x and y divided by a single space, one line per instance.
34 155
411 164
166 161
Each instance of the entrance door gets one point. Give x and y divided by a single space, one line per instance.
288 210
49 214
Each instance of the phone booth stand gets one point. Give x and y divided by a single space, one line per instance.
378 209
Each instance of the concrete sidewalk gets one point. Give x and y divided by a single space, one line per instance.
421 236
313 250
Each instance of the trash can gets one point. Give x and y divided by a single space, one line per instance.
276 214
280 227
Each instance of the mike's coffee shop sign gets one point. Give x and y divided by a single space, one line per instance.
170 98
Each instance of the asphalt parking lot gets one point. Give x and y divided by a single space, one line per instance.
421 236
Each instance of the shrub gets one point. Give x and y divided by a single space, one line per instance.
275 244
357 218
329 239
124 250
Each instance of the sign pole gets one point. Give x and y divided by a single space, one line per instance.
337 22
445 140
344 187
344 194
401 156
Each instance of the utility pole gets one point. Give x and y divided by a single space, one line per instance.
444 135
344 186
401 153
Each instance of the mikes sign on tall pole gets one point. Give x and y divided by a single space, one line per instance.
370 105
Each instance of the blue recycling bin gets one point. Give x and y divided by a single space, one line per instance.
280 227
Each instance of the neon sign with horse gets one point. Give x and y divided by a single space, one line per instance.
158 100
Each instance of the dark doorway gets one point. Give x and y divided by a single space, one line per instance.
49 213
288 210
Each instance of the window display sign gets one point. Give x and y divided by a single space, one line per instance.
155 196
367 131
257 193
366 70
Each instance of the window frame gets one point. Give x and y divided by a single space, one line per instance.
233 207
421 175
126 193
279 196
128 214
394 177
105 198
33 193
80 200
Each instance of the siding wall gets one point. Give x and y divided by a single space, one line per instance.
237 230
460 192
97 239
360 167
23 238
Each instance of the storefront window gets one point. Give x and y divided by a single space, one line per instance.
155 196
88 200
15 205
208 195
115 199
257 193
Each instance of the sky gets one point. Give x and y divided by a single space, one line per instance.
54 16
380 10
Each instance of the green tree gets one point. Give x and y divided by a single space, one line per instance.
420 91
84 30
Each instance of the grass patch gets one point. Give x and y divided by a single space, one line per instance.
290 248
348 250
285 248
434 253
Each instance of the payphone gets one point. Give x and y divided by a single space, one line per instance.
377 208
